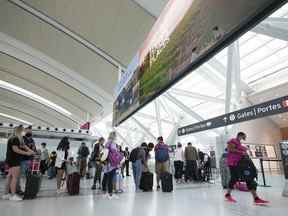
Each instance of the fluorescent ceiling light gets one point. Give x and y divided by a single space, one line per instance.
16 119
37 98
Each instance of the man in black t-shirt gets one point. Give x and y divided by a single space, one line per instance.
29 143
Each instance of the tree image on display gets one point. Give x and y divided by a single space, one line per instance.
186 31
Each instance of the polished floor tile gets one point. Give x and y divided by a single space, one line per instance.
188 199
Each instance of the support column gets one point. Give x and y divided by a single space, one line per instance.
158 117
233 79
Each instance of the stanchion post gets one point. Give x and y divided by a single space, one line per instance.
262 170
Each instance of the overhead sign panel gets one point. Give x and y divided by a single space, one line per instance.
276 106
185 35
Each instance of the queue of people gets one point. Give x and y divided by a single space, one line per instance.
110 161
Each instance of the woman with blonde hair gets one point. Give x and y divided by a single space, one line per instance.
113 161
15 149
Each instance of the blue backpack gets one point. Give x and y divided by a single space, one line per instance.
162 154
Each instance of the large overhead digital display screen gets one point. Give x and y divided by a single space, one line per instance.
186 34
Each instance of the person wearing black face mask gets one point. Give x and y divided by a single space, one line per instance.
25 160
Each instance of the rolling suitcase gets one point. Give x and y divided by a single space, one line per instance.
73 183
167 182
33 180
146 182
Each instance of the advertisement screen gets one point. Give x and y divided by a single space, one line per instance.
186 34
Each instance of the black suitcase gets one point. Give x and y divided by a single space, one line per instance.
167 182
146 182
33 184
33 179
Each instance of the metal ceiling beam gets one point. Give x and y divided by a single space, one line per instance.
171 114
69 32
158 117
183 107
221 69
208 75
272 28
197 96
122 138
144 9
145 130
147 116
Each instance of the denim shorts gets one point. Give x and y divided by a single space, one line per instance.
24 166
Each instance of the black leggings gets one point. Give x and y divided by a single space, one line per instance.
191 170
108 181
235 176
178 165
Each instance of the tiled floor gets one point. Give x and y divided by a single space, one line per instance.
192 199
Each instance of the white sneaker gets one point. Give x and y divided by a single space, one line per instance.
15 198
6 196
106 195
59 191
114 196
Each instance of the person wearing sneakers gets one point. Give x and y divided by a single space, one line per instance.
13 160
235 153
96 160
110 168
162 159
61 159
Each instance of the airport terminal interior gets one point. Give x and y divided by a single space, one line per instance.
143 107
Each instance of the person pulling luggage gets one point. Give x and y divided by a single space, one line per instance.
162 159
138 159
235 156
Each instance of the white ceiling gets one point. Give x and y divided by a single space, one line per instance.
50 62
46 61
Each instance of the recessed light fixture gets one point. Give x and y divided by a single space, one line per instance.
35 97
15 118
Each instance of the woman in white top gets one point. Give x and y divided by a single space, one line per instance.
179 163
62 157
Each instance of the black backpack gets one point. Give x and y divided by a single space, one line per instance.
247 169
84 151
134 155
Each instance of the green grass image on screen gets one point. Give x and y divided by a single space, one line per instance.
193 36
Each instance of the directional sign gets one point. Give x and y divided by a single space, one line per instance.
273 107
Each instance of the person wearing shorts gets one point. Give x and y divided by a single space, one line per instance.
13 160
161 166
